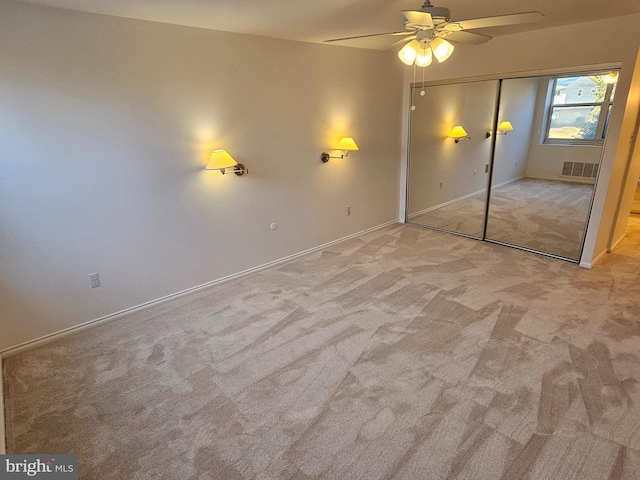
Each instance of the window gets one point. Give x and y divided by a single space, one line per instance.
579 109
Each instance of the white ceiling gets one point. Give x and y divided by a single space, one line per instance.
317 20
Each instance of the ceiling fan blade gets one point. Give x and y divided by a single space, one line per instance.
417 17
468 37
499 21
404 33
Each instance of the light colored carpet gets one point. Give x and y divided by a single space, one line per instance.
542 215
403 354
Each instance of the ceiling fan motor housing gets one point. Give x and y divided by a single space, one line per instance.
439 14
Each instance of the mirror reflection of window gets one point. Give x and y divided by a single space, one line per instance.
579 109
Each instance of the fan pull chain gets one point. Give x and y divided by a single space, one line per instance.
413 107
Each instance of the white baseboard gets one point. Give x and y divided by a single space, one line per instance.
36 342
465 197
444 204
3 442
617 243
598 259
513 180
567 179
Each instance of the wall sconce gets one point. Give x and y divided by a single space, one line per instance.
459 133
503 129
221 160
346 144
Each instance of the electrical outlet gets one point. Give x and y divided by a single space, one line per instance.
348 210
94 280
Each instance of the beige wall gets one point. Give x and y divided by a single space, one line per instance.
558 49
106 124
435 158
629 170
517 105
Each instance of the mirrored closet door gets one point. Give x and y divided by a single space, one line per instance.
536 141
449 176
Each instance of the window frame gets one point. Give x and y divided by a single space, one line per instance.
601 126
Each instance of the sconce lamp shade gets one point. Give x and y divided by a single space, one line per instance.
221 160
409 52
441 49
347 143
505 126
458 132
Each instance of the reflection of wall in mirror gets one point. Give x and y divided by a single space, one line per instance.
517 105
435 158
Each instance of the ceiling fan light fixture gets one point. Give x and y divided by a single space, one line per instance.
441 49
424 57
409 52
429 25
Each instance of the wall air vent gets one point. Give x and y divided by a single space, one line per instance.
579 169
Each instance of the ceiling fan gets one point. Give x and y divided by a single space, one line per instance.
427 28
